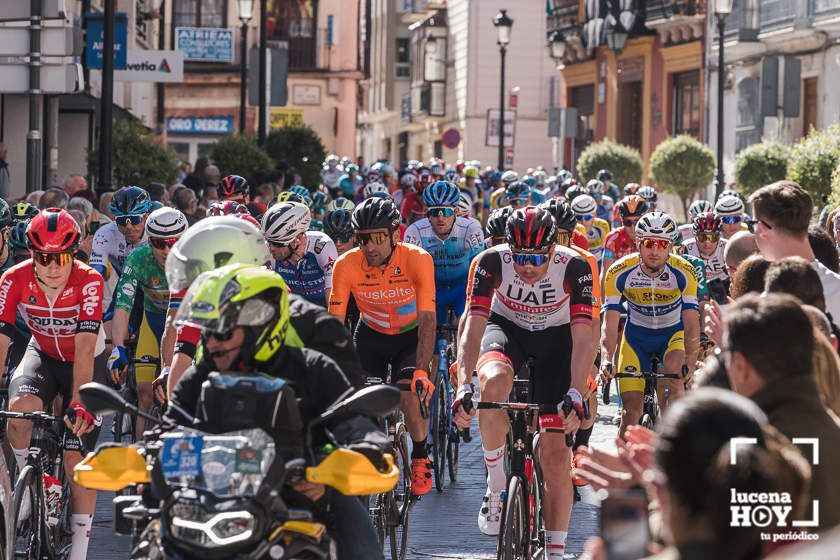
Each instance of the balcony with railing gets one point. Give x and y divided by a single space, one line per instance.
563 17
677 21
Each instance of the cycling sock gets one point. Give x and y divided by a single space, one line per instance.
80 524
20 457
555 544
582 436
494 459
418 449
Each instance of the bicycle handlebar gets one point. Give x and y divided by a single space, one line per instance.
647 374
467 405
40 416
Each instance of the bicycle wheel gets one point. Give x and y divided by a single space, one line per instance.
453 450
537 528
399 510
513 531
29 514
440 435
378 516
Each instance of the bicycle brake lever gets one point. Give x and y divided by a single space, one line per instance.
467 405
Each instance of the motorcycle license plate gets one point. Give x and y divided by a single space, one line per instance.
182 456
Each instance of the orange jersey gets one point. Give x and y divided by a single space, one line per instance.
388 297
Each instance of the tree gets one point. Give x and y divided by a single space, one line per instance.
137 156
624 162
681 165
240 155
301 148
813 159
761 164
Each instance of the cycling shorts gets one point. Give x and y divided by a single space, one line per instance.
550 347
451 296
378 351
45 377
148 344
638 343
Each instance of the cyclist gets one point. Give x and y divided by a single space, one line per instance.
318 208
412 208
337 226
249 330
339 202
235 188
622 240
407 184
18 242
23 211
330 174
61 300
471 182
530 297
697 207
605 203
660 289
226 208
394 287
6 222
730 210
595 228
374 187
303 258
610 188
452 241
709 245
465 206
144 277
649 195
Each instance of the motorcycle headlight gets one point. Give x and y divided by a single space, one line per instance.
191 523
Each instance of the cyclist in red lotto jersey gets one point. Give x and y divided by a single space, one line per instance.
60 299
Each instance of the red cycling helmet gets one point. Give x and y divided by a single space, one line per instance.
706 222
531 229
233 185
53 231
226 208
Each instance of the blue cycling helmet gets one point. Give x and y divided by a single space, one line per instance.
495 177
441 193
130 200
301 190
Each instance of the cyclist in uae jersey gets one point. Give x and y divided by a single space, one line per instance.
393 284
621 241
61 301
660 289
709 244
452 241
303 258
596 229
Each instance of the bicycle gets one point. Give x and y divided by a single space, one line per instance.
443 435
42 515
126 425
650 403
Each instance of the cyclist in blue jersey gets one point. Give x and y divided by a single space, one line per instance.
451 240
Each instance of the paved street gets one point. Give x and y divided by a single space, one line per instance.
442 525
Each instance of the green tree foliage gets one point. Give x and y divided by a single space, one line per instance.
760 164
681 165
301 148
624 162
240 155
137 156
813 159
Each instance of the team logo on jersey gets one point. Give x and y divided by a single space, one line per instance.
397 271
33 299
154 281
664 277
319 246
630 369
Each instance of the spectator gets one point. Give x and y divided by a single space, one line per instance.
157 191
186 201
184 170
212 176
770 344
105 204
53 198
826 370
824 249
783 211
86 240
749 277
738 248
209 195
5 177
75 183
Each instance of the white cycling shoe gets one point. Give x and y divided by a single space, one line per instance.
490 514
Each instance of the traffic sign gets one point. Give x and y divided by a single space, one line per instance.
55 41
55 78
205 44
95 33
451 138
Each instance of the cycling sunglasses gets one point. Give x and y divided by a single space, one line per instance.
46 259
343 237
731 219
161 243
584 217
649 243
517 200
132 219
707 237
628 222
221 337
375 237
435 211
522 259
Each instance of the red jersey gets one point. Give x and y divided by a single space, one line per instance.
413 208
54 325
579 240
618 244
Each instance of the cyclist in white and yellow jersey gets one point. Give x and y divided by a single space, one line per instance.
589 224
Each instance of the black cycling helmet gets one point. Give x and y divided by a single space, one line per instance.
17 236
376 213
23 211
130 200
233 185
604 175
5 214
531 229
497 221
337 224
561 211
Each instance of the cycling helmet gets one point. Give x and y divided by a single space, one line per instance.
730 192
53 231
130 200
373 176
699 207
656 225
301 191
17 235
23 211
632 206
340 202
5 214
155 205
337 224
289 196
346 184
408 180
575 190
374 187
529 180
584 204
441 193
211 243
563 214
248 217
331 159
494 177
729 205
465 203
518 189
564 174
351 168
497 221
471 171
631 188
283 222
604 175
319 202
531 229
241 296
706 222
225 208
166 223
595 186
509 177
376 213
233 185
451 175
540 177
648 193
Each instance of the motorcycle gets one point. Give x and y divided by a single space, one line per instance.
217 492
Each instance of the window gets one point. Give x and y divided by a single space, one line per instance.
403 58
685 117
199 13
294 21
583 99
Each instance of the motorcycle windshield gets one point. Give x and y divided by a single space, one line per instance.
229 464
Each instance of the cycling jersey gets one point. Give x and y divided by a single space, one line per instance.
596 237
389 297
597 301
110 250
311 276
618 244
700 269
143 271
563 296
715 264
579 240
54 325
412 208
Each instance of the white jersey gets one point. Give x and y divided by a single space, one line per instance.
108 255
311 276
715 264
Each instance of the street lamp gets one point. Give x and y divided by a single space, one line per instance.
246 13
503 26
722 9
616 36
556 46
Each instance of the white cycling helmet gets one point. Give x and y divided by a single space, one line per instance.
374 187
699 207
729 205
656 225
509 177
408 180
166 223
583 205
465 204
283 222
213 242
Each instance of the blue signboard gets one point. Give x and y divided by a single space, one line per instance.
205 44
200 125
94 45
